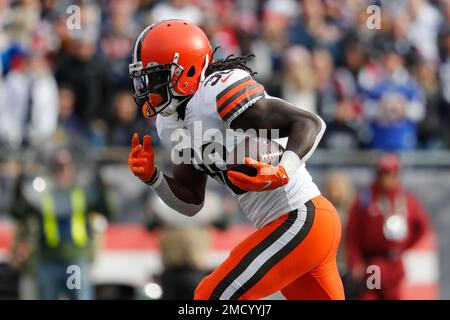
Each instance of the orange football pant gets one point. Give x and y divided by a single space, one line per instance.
295 254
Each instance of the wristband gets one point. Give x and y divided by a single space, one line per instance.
155 181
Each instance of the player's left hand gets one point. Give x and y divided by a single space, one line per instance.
268 177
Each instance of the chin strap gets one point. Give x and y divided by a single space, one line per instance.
173 106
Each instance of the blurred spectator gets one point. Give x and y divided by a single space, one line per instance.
118 35
222 29
391 76
53 229
177 9
369 38
283 8
126 120
339 190
444 77
342 132
269 51
399 39
325 83
384 222
23 19
423 32
90 21
311 28
346 75
431 128
87 75
71 131
299 83
392 130
29 110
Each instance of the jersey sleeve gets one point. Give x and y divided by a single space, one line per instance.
237 91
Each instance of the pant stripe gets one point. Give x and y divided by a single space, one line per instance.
252 254
279 255
264 256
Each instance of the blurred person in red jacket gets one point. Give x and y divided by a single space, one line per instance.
384 222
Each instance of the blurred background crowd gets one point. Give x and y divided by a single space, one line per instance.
385 88
379 85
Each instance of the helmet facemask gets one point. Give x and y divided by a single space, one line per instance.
154 88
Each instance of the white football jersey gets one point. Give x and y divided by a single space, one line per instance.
204 137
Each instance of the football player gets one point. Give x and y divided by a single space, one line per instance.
176 78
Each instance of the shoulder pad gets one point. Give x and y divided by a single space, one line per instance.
235 90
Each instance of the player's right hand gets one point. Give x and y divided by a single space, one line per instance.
141 159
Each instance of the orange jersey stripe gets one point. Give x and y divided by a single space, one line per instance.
224 112
233 91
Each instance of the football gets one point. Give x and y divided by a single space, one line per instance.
260 149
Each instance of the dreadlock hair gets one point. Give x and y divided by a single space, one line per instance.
230 62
